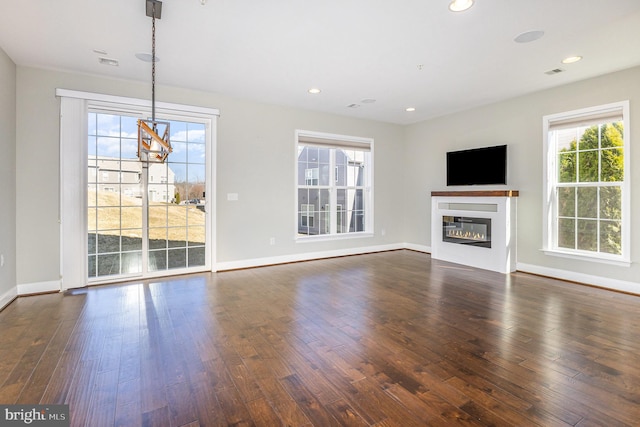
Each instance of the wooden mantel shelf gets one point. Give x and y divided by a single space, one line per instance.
480 193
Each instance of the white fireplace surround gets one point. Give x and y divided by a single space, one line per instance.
498 206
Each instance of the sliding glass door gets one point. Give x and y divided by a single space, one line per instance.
145 219
177 202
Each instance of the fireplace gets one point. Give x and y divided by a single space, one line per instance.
464 216
467 230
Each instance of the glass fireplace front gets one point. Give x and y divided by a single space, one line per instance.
467 230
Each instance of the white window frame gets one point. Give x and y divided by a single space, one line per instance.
328 140
550 178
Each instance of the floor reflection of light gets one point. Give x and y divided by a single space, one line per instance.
131 297
522 337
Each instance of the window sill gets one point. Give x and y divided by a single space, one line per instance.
328 237
588 257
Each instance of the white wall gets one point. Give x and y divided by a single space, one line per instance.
256 160
7 178
255 157
518 123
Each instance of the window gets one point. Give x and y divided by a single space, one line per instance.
127 233
587 186
334 185
311 176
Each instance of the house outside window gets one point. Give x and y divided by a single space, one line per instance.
311 176
587 192
307 216
333 185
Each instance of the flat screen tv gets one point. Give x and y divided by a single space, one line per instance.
477 166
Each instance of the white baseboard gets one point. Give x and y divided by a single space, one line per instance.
603 282
40 287
308 256
588 279
7 297
419 248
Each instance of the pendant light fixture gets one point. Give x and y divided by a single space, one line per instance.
153 135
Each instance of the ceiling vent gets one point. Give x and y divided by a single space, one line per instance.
554 71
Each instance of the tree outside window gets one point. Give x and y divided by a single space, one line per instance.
589 216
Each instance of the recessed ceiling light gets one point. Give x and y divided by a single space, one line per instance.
528 36
571 59
108 61
460 5
100 51
368 100
314 90
146 57
410 109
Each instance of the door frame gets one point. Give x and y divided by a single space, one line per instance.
74 109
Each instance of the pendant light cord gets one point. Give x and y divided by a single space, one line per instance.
153 65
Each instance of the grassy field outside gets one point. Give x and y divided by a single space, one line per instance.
111 213
176 235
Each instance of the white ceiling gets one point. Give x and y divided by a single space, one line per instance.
402 53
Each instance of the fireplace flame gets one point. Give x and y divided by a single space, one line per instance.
469 235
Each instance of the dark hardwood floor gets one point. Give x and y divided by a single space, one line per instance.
387 339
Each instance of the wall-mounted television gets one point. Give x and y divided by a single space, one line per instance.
477 166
